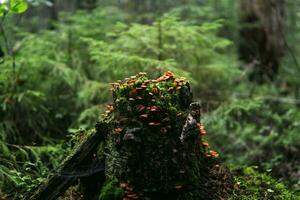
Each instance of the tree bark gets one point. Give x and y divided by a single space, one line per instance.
262 36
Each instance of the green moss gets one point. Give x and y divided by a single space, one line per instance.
146 147
164 92
111 191
251 185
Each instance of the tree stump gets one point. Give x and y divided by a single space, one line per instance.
156 147
153 147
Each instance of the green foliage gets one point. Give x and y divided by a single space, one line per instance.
40 2
251 185
111 190
45 82
290 68
257 132
22 168
13 6
193 51
18 6
65 77
86 23
30 88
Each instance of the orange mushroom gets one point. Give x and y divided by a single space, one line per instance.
213 153
118 130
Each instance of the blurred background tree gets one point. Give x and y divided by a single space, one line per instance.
262 33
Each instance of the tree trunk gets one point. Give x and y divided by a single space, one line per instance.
262 36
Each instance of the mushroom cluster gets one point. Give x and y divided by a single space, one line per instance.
129 193
144 100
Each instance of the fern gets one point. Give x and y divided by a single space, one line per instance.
257 132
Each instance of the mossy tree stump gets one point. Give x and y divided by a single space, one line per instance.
153 145
156 147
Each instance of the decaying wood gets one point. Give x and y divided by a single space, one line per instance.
191 122
81 159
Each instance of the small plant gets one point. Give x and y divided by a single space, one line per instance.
13 7
111 190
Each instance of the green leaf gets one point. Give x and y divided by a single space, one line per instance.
18 6
3 9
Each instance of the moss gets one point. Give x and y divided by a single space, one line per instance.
111 190
152 147
251 185
133 95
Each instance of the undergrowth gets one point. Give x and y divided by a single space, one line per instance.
258 132
251 185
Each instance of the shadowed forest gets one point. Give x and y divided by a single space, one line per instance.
96 99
